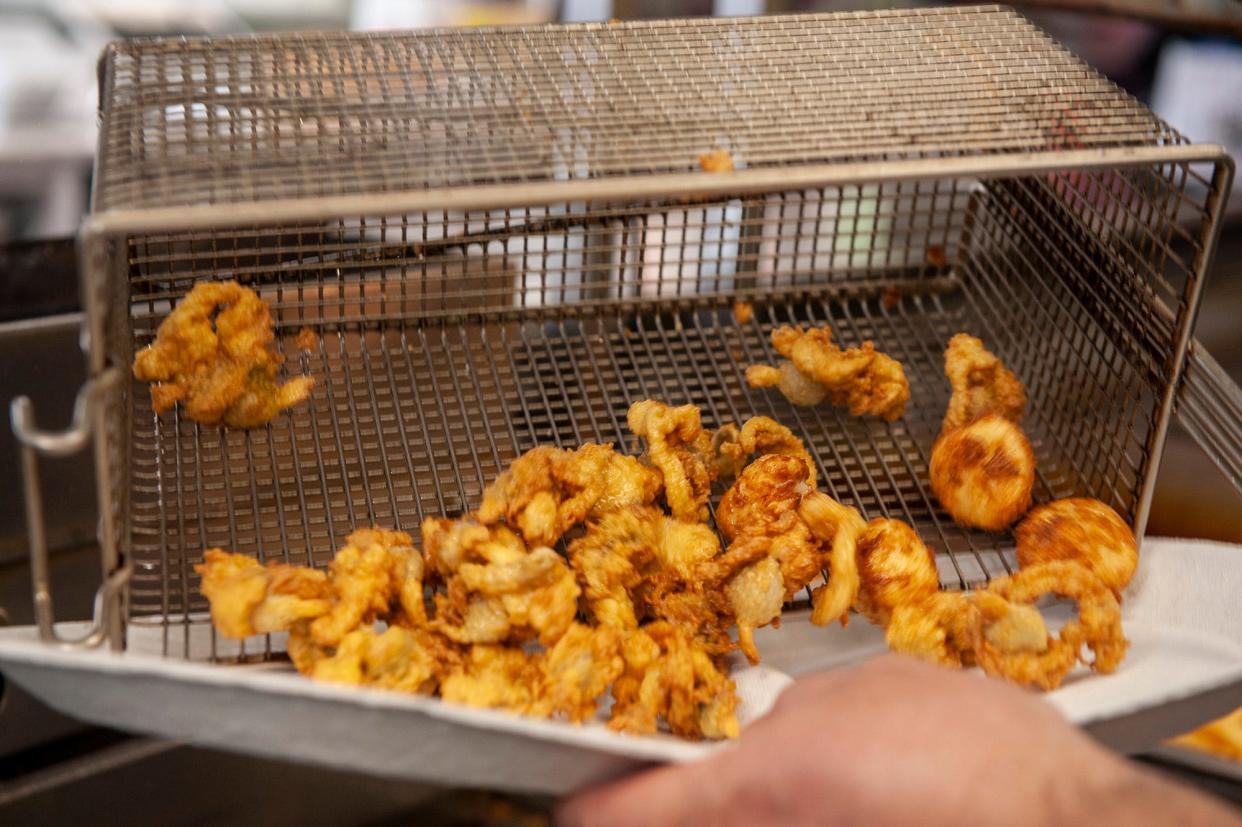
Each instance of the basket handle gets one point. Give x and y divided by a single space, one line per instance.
36 442
1209 407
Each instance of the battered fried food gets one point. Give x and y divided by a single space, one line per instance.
625 550
375 571
578 670
667 676
894 569
495 589
1097 626
982 385
248 598
861 379
497 677
761 435
983 472
940 628
214 354
770 513
683 452
1080 530
399 658
547 490
1222 737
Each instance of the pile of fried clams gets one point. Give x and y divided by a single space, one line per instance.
639 603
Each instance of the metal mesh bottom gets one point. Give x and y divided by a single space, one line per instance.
410 421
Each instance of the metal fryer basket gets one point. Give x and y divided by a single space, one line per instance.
503 238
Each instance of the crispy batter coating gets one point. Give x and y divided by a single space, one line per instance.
938 629
830 521
894 569
770 512
578 670
683 452
248 598
861 379
399 658
547 490
982 385
983 472
796 386
1098 625
767 488
668 676
496 590
1081 530
623 550
743 312
375 570
497 677
219 365
761 435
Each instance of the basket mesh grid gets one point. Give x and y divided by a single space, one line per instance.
217 121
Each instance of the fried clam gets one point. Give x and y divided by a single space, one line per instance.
983 472
862 379
496 590
982 385
638 563
497 677
770 515
683 452
376 572
668 676
579 668
248 598
214 355
940 628
1079 530
895 568
761 435
1097 626
400 658
548 490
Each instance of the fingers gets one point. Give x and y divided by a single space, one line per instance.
671 795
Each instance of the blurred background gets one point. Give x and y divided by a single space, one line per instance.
1181 57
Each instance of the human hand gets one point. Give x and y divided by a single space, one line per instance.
897 741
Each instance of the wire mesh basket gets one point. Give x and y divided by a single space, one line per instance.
503 238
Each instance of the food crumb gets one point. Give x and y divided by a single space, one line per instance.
743 312
891 297
936 257
306 339
718 160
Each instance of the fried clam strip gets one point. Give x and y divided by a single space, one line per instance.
861 379
982 385
1097 626
667 676
548 490
684 453
495 589
214 354
782 534
1079 530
